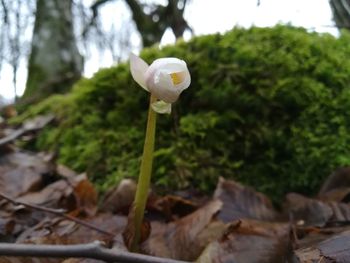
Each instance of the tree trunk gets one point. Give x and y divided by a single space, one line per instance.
152 26
54 63
341 13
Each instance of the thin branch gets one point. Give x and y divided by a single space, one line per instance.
93 250
58 212
93 20
5 9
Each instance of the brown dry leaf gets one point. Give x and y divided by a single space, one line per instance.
249 241
86 197
307 211
242 202
338 179
312 212
65 172
61 231
120 198
50 196
22 172
333 249
171 207
130 231
180 239
7 228
337 186
34 124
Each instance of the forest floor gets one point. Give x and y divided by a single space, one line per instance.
45 203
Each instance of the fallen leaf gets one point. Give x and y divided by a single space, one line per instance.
120 198
340 178
249 241
337 186
171 207
62 231
333 249
129 232
336 195
306 211
242 202
312 212
51 196
22 172
37 123
7 227
180 239
65 172
86 197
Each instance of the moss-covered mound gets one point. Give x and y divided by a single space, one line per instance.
269 107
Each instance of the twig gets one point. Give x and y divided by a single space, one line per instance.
58 212
93 250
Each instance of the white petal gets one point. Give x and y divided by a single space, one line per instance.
161 107
138 68
186 83
168 65
162 87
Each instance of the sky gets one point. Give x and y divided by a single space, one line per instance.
205 17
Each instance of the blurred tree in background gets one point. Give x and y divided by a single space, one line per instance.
341 13
15 16
64 31
61 30
55 62
153 19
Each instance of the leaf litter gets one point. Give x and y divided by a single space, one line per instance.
237 224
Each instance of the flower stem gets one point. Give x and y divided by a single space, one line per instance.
145 176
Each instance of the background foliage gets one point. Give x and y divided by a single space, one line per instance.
267 106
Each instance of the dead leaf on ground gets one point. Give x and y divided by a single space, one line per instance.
22 172
7 227
242 202
62 231
179 239
129 232
120 198
86 197
337 186
340 178
312 212
333 249
170 207
51 196
249 241
66 172
34 124
58 195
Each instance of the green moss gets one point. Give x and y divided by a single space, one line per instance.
267 106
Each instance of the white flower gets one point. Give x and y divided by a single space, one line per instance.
165 78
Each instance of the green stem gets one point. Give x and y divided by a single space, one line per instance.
145 176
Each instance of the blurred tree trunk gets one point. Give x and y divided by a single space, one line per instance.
341 13
152 25
55 62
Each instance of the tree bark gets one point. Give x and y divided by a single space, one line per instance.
153 25
341 13
54 63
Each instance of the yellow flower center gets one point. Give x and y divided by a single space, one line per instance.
177 77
